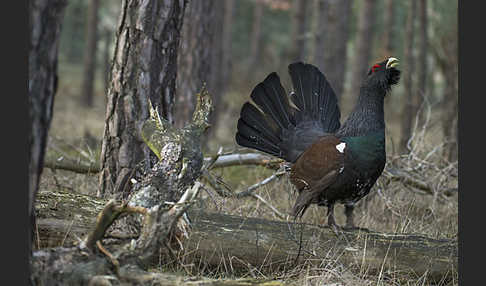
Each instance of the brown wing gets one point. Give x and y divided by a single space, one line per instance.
315 170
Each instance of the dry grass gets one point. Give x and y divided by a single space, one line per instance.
392 206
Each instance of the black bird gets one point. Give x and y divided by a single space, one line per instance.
330 163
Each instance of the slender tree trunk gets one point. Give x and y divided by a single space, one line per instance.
256 33
446 57
332 33
408 111
144 71
87 88
422 57
298 33
226 66
389 25
45 17
364 44
76 34
195 61
322 37
218 82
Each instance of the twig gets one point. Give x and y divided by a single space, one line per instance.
275 211
252 188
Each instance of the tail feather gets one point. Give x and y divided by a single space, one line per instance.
251 138
270 96
314 96
255 131
275 127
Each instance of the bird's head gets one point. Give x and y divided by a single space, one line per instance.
383 75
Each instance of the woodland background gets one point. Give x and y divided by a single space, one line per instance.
232 45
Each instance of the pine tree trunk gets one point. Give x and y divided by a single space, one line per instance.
144 71
45 17
332 33
226 45
195 60
446 57
106 59
408 111
299 27
87 88
364 44
218 81
322 36
256 34
422 57
388 35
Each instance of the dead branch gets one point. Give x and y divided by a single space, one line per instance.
258 159
269 245
171 180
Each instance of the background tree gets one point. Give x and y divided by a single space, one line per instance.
87 88
408 107
205 58
144 70
221 61
444 49
332 33
389 40
256 33
195 56
363 45
422 65
45 19
298 37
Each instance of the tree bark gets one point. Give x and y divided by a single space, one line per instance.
408 109
251 243
106 59
143 71
218 83
364 44
226 66
332 32
195 59
87 87
45 18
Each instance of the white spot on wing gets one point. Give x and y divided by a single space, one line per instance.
340 147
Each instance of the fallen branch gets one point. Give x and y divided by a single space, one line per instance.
268 246
84 166
257 159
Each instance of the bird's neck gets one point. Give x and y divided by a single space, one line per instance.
367 116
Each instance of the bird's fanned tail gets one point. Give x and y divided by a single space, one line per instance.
275 127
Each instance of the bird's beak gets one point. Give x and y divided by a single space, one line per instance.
392 62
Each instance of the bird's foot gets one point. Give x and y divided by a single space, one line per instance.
334 227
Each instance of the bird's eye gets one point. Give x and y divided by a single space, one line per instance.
375 67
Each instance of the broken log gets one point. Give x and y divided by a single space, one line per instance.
247 244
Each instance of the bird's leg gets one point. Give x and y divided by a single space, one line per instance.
330 219
330 215
348 211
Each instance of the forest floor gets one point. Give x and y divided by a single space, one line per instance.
391 207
